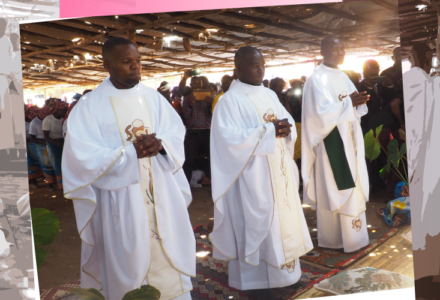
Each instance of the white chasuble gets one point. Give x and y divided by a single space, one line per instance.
259 225
328 119
131 213
134 120
283 184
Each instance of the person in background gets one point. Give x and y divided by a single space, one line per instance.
34 168
205 82
303 79
165 90
277 85
187 90
197 114
226 83
354 77
214 89
38 158
395 74
390 97
266 82
375 112
72 105
175 94
53 134
293 104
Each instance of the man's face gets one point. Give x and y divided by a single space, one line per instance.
226 83
252 68
196 83
334 54
370 74
124 66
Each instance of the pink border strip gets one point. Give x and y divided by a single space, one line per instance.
89 8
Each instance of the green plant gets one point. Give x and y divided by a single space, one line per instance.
394 153
45 227
146 292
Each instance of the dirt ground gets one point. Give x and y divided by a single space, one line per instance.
63 262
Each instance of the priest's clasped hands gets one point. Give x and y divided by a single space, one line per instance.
359 99
147 145
282 128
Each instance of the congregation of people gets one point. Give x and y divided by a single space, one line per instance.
246 135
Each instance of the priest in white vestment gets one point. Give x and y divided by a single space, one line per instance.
122 168
333 156
259 225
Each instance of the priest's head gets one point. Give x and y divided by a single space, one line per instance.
333 51
250 65
123 62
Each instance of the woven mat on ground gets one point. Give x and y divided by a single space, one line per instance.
336 258
212 280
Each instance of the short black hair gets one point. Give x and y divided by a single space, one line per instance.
3 25
243 52
226 77
275 81
113 42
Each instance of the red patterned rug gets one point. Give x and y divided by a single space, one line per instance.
211 282
336 258
212 278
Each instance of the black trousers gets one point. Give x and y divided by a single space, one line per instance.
197 152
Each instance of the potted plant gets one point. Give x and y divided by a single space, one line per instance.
397 211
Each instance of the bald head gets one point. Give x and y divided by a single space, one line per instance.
333 51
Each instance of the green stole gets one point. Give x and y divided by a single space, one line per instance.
334 144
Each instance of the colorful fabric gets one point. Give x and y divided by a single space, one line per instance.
55 156
364 280
212 277
32 112
72 105
212 280
297 148
198 116
44 112
58 105
398 210
40 153
34 168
